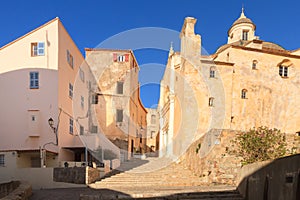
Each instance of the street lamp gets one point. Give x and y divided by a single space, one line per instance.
42 150
51 124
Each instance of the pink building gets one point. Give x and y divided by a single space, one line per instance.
43 76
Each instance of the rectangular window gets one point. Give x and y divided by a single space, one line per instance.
120 87
34 80
71 126
119 115
283 71
82 102
81 130
81 74
121 58
70 59
95 99
212 72
70 90
38 49
152 134
2 161
94 129
245 35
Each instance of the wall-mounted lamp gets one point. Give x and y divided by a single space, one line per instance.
51 124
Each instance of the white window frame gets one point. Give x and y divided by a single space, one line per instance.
121 58
283 71
38 49
34 80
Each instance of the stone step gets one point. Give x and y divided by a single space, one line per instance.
178 175
109 185
166 195
163 179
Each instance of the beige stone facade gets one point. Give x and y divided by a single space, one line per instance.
121 115
246 83
152 131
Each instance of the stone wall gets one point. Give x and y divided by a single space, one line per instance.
77 175
93 175
208 159
6 188
15 190
279 179
70 175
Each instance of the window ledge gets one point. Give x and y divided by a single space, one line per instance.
284 77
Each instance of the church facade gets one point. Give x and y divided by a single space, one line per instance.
246 83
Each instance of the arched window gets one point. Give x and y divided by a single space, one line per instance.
244 94
245 35
254 64
212 72
211 101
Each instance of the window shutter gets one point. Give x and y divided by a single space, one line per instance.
126 57
115 57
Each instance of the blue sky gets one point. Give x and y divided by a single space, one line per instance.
91 22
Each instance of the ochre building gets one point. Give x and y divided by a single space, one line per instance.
246 83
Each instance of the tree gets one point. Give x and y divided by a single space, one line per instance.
259 145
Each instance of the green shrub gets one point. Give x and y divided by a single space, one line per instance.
259 145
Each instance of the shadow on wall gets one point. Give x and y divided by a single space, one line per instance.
279 180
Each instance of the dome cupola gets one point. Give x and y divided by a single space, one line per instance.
243 29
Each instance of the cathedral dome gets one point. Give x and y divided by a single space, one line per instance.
243 20
242 29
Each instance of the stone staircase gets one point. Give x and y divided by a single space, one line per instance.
161 178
